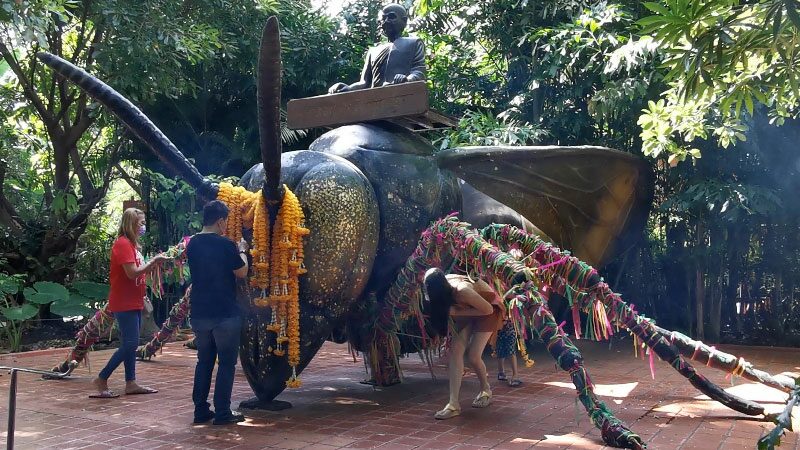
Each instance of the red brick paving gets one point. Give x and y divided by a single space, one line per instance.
333 411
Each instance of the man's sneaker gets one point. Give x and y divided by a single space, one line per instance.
234 417
203 417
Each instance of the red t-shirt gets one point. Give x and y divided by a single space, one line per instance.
125 294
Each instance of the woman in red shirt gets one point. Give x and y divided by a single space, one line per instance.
126 301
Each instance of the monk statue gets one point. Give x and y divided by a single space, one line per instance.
400 60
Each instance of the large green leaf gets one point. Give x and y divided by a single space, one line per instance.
24 312
8 285
44 292
57 291
91 303
35 297
70 309
92 290
657 8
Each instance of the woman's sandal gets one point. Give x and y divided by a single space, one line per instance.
108 393
501 376
514 383
483 400
142 390
447 413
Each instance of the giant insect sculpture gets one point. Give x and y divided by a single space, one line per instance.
369 191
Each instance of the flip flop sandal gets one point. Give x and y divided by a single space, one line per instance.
142 390
515 383
108 393
502 376
447 413
483 400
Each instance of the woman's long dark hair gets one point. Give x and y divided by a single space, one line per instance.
440 298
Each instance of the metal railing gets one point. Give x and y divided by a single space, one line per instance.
12 396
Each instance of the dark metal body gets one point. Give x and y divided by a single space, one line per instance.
342 214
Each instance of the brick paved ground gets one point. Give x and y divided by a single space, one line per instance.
333 410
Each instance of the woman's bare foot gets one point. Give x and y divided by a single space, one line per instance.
102 389
100 384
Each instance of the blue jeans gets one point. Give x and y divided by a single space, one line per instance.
128 323
215 338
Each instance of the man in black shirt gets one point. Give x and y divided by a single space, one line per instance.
215 263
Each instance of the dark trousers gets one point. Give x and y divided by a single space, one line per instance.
128 323
215 338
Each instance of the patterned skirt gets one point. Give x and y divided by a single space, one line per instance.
506 341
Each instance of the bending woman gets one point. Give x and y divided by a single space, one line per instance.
126 301
477 313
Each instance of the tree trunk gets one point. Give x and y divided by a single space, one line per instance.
60 161
62 243
688 310
758 284
61 239
735 268
778 319
8 215
699 298
719 240
699 281
678 274
715 323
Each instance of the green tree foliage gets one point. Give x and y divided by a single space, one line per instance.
191 66
561 66
731 78
60 148
216 125
724 57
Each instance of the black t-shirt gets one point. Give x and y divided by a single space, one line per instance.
212 260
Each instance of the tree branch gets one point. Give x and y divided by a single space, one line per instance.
74 132
83 98
34 61
113 161
65 108
51 91
128 179
87 186
81 36
98 36
8 215
63 101
27 89
90 198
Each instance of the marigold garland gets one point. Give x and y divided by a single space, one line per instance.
277 264
236 198
259 250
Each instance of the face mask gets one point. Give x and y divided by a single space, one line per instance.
142 230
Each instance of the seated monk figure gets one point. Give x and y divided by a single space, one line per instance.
400 60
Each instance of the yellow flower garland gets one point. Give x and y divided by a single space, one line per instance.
276 268
236 198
